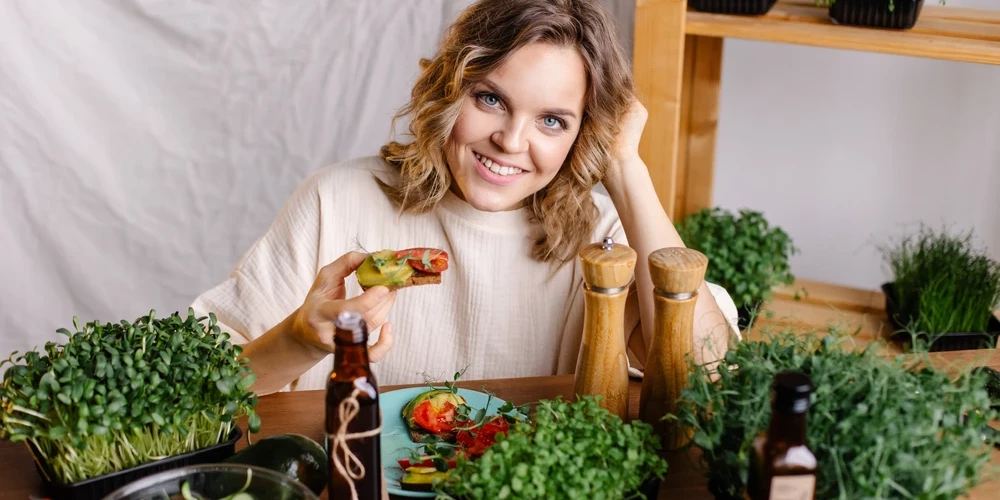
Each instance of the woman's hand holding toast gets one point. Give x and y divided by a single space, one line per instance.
313 323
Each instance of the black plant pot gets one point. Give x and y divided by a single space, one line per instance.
876 13
98 487
745 312
650 488
739 7
950 341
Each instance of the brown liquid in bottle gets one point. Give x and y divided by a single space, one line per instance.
351 372
782 467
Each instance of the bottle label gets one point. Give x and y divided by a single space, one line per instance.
793 487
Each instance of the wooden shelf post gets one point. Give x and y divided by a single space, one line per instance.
677 77
658 62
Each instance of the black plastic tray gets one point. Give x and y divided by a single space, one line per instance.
98 487
876 13
738 7
951 341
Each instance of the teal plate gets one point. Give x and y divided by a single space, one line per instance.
396 443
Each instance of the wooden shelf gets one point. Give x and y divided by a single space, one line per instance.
822 306
957 34
677 63
855 311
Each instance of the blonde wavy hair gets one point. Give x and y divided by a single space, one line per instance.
479 42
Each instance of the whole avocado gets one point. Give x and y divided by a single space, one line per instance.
294 455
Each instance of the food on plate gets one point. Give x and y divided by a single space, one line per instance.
476 441
402 268
432 412
446 430
422 478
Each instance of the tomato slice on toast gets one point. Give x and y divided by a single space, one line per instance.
427 260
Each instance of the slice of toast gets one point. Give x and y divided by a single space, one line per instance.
417 279
417 435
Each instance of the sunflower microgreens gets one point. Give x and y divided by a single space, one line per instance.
117 395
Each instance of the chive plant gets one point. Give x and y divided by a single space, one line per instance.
116 395
879 427
942 282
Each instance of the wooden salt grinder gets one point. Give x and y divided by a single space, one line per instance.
676 274
602 367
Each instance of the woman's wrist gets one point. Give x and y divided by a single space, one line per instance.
627 178
298 331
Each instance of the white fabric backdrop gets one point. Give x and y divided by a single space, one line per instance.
145 144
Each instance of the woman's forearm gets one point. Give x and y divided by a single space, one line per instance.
649 229
278 359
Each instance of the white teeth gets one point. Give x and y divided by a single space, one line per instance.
496 168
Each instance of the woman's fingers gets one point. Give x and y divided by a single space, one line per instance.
377 315
380 348
365 303
341 268
330 279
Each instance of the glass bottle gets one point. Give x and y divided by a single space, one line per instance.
782 467
352 396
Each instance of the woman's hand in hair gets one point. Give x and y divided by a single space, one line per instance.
626 146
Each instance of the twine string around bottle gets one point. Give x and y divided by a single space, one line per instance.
351 467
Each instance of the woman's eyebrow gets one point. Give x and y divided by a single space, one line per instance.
504 97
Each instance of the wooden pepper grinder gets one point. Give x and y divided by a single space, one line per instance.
676 274
602 367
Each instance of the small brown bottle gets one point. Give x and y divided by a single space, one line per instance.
353 422
782 467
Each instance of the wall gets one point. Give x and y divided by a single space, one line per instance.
847 150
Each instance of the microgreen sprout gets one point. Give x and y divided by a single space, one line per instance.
116 395
879 427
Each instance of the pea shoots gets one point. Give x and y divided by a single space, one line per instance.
880 427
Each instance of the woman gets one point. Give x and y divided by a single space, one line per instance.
526 107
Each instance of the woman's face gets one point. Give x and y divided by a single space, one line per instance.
515 128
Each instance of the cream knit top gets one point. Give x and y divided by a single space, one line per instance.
497 313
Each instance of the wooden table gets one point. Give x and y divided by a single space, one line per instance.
302 412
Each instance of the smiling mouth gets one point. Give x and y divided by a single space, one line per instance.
496 167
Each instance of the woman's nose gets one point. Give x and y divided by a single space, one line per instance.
513 137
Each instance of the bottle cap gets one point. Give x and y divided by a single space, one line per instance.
350 329
791 392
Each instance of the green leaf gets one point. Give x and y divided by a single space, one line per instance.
58 432
247 381
225 385
253 423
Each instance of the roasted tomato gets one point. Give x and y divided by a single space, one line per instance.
485 436
427 260
437 422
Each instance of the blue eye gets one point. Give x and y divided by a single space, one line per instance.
553 122
489 99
